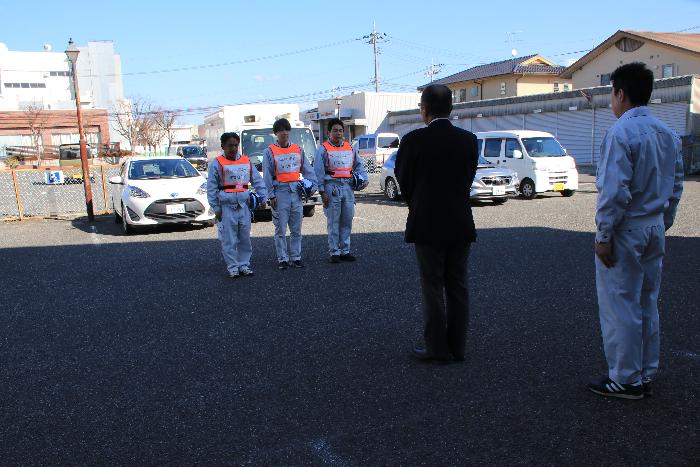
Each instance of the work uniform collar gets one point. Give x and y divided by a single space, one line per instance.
336 145
278 144
235 158
640 111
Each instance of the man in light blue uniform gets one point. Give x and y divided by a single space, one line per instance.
228 193
335 163
283 163
639 181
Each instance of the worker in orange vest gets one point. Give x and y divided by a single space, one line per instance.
283 165
228 192
336 166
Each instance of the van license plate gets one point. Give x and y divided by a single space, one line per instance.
498 190
174 208
558 187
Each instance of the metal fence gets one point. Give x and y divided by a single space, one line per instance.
26 193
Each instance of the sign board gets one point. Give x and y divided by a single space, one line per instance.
54 177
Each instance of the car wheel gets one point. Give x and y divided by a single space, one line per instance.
309 211
500 200
117 217
527 189
127 228
210 223
391 190
567 193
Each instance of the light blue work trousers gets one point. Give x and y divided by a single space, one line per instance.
339 214
234 235
628 295
289 212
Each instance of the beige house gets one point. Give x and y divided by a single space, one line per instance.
522 76
667 54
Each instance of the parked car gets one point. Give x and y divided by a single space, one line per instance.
375 148
196 155
537 157
163 190
492 183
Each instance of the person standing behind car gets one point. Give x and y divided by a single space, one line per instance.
639 182
228 193
283 163
335 164
435 168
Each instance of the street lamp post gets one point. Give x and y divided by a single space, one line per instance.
72 54
338 101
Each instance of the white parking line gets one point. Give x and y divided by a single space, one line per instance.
326 454
94 237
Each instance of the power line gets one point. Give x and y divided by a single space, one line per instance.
212 65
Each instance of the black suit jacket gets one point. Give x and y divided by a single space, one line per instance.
435 168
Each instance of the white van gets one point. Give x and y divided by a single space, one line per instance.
540 161
376 147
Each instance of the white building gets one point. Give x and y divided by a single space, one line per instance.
43 78
363 112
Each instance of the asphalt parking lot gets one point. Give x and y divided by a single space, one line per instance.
139 350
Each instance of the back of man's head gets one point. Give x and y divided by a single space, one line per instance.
437 100
636 80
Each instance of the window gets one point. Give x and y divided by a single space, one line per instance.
386 142
556 87
511 145
479 145
59 73
53 73
567 87
492 148
503 88
667 71
463 95
605 79
474 91
362 143
370 143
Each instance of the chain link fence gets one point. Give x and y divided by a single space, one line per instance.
27 193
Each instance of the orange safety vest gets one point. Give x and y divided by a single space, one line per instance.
340 159
287 162
235 174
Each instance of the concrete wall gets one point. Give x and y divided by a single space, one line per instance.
652 54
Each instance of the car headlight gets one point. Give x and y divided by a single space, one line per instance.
573 163
136 192
202 190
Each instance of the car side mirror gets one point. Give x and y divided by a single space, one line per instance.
115 180
518 154
565 151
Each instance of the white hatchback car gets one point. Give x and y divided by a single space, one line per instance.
162 190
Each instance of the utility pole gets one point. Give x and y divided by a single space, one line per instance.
433 70
374 38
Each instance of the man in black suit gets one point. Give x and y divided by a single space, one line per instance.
435 168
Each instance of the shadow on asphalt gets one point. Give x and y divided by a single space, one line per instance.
144 352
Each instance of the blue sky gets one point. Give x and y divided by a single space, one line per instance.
153 36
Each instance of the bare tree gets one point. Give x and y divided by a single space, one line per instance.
166 120
36 121
151 133
130 118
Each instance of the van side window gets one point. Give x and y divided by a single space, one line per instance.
370 143
363 143
492 147
479 145
511 145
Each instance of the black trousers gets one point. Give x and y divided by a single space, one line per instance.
443 277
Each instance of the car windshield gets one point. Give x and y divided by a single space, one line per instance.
192 151
543 147
483 161
385 142
161 168
254 142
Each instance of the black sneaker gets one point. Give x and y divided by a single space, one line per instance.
347 257
648 389
282 265
335 259
247 272
609 388
233 275
297 264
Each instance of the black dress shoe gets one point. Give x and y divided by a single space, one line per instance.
419 353
347 257
335 259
